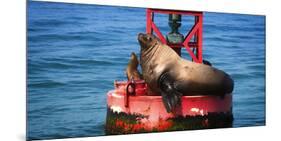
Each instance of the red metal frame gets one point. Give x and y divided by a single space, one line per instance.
196 32
131 100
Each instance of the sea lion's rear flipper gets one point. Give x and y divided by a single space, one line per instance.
170 95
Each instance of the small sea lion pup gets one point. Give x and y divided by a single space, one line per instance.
132 68
168 74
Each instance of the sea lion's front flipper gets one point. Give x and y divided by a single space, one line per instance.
170 95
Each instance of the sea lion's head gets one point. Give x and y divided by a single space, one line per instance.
147 40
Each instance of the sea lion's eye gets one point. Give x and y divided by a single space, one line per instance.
148 38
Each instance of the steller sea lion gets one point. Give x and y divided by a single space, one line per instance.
168 74
132 68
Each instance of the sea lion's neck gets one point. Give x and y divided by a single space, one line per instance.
147 54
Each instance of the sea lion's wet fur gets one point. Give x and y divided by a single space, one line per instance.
167 73
132 68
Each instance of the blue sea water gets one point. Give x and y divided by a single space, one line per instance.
75 52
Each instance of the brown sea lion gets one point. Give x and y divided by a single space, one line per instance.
168 74
132 68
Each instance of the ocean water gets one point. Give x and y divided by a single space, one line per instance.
75 52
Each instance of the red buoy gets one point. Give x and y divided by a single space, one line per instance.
131 108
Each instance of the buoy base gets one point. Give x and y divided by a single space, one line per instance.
123 123
141 113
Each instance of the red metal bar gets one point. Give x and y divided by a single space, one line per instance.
190 44
191 34
148 21
196 37
188 38
200 38
158 33
176 12
191 54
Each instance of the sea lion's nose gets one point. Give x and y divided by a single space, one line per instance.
141 34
